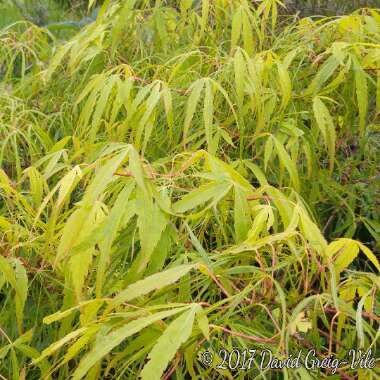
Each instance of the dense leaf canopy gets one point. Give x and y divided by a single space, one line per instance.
182 176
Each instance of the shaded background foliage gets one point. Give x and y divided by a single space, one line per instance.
328 7
42 12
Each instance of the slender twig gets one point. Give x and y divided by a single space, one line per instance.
331 331
217 282
308 345
5 335
327 335
245 336
329 220
173 367
364 313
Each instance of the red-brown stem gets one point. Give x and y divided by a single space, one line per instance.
222 288
364 313
173 367
245 336
331 331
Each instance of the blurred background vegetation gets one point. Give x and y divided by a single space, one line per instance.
42 12
328 7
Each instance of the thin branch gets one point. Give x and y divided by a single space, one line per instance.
173 367
245 336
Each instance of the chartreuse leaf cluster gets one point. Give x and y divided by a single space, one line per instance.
182 176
